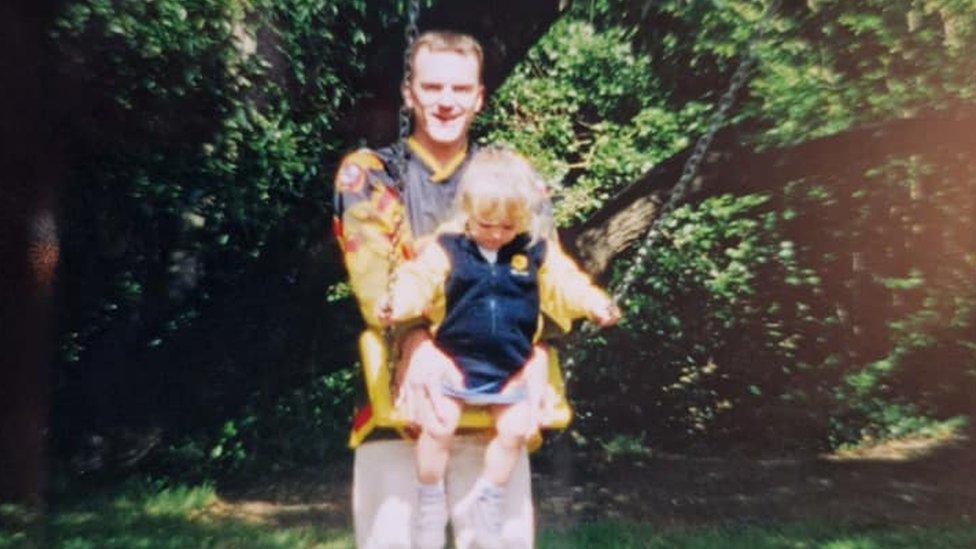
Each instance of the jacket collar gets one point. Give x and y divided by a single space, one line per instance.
519 244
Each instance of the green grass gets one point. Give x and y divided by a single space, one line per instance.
148 515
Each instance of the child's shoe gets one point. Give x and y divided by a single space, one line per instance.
485 516
430 519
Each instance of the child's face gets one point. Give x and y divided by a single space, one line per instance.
491 234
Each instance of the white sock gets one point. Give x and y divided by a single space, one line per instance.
434 490
485 486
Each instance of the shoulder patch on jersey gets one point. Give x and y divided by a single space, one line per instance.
364 158
352 170
351 178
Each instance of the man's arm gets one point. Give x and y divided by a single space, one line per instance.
369 219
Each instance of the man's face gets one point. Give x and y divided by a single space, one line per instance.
445 94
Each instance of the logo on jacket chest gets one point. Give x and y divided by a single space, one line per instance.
520 265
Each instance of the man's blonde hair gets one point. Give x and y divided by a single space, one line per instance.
457 42
500 185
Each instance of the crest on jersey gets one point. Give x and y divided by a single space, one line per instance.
351 178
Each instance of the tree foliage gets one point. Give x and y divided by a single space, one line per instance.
590 113
818 352
200 134
719 334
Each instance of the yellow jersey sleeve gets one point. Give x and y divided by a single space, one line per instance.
369 220
566 293
418 288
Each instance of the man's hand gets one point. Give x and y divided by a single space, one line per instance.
423 369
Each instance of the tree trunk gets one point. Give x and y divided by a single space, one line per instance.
734 168
28 250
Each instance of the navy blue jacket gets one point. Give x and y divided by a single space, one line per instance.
491 310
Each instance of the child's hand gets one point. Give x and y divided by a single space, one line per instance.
605 314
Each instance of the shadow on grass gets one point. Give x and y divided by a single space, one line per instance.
609 534
149 516
909 483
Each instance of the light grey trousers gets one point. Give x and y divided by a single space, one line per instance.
384 494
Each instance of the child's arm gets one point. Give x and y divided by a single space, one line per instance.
416 287
567 293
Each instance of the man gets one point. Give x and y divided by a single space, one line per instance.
372 216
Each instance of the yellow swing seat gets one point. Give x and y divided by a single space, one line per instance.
376 374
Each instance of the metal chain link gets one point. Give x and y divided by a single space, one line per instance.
688 172
410 34
693 162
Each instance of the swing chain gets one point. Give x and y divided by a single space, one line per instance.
693 162
410 34
688 173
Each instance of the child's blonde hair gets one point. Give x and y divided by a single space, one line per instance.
500 184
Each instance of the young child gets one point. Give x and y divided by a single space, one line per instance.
483 283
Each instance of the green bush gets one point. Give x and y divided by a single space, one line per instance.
305 426
195 263
712 347
894 252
